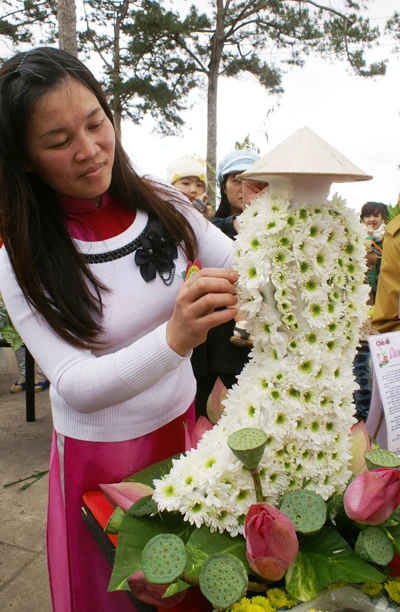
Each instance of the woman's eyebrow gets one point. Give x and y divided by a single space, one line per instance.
63 129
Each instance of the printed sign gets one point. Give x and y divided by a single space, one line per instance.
383 421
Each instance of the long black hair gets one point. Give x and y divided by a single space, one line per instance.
224 208
49 269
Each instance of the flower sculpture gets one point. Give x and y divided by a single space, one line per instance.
284 500
300 259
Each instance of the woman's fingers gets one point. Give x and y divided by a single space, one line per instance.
207 287
211 274
205 300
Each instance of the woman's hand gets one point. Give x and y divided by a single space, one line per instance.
194 313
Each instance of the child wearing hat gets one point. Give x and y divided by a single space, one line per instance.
189 174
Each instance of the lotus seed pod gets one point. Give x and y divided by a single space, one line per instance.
374 546
305 509
115 520
248 446
381 458
223 580
164 558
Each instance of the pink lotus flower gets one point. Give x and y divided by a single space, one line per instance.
271 541
214 406
373 496
360 444
194 431
152 594
124 494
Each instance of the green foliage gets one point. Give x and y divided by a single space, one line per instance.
145 69
153 472
144 506
202 543
7 329
323 558
393 28
247 145
134 533
26 21
393 211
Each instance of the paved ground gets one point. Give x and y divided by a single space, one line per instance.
24 450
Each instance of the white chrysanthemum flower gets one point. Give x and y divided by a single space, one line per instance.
301 273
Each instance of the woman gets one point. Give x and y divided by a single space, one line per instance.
231 203
226 350
92 275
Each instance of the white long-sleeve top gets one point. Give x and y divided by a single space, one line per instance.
135 383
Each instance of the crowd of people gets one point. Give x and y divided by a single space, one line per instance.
92 272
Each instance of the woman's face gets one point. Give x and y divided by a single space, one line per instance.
71 142
234 193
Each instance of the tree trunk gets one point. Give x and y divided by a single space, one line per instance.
66 17
217 45
212 95
116 72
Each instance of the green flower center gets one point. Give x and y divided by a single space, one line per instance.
314 426
311 285
305 367
315 310
169 491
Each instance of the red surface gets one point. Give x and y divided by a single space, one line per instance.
102 510
395 566
194 601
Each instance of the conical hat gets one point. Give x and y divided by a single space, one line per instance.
305 153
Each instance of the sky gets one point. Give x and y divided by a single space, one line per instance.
357 116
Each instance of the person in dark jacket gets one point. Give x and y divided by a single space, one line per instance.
218 356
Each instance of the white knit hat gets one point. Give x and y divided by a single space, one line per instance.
236 161
187 165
